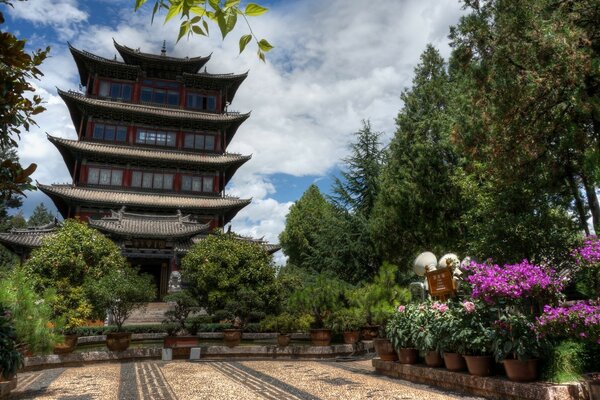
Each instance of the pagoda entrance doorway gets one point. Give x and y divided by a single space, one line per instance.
158 269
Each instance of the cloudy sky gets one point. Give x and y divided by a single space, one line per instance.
335 63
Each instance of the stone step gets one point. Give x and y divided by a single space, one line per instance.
152 313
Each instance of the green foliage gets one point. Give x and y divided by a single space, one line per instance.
378 299
234 277
74 254
321 295
419 205
400 329
184 304
121 291
40 216
516 338
31 313
10 357
475 330
346 319
566 362
285 323
197 14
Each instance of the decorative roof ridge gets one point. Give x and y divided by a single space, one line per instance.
211 75
127 49
179 217
74 142
95 57
147 108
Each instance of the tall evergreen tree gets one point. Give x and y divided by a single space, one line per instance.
40 216
419 206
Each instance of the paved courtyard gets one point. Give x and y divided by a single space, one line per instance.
239 380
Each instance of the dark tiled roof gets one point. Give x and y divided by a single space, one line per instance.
88 62
127 153
147 60
27 238
227 82
112 198
123 223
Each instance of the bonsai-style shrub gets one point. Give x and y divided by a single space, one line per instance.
346 319
184 304
380 298
30 312
10 357
322 295
286 323
66 259
232 278
120 292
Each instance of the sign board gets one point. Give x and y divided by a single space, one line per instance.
440 282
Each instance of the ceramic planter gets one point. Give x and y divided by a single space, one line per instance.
480 365
369 332
232 337
283 339
454 362
351 337
434 359
320 337
67 346
521 371
118 341
408 356
384 349
170 342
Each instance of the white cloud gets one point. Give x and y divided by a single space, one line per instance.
335 63
65 16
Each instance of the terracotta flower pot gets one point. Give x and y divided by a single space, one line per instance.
408 356
384 349
434 359
480 365
283 339
369 332
232 337
170 342
118 341
67 346
351 337
521 371
454 362
320 337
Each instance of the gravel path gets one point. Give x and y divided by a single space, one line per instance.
236 380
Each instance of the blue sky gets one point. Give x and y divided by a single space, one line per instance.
335 63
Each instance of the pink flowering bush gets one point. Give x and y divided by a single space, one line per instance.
513 282
400 329
578 321
427 333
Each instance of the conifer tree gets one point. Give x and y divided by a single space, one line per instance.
40 216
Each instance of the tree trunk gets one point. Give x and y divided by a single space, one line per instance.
578 202
590 191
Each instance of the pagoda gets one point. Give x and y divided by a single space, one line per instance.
150 162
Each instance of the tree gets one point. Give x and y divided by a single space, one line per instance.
419 206
17 69
306 222
232 278
66 259
40 216
196 14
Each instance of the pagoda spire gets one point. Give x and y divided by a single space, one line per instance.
163 50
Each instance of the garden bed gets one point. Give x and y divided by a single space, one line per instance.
494 387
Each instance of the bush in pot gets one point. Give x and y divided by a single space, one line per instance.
477 334
347 321
427 333
120 292
400 330
447 326
285 324
183 304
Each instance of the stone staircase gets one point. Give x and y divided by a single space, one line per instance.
153 313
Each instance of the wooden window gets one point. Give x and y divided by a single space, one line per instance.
156 138
115 90
160 92
109 133
105 176
152 180
202 184
201 102
199 141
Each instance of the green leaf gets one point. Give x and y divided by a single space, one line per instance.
197 30
139 3
174 10
254 10
183 30
231 3
195 20
261 56
215 4
154 11
222 23
264 45
198 11
205 24
244 40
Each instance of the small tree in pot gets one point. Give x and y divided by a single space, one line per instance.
348 321
183 304
120 292
285 324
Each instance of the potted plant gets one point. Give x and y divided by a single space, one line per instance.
518 346
347 321
11 358
477 334
447 326
401 332
427 332
320 297
284 324
183 304
120 292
